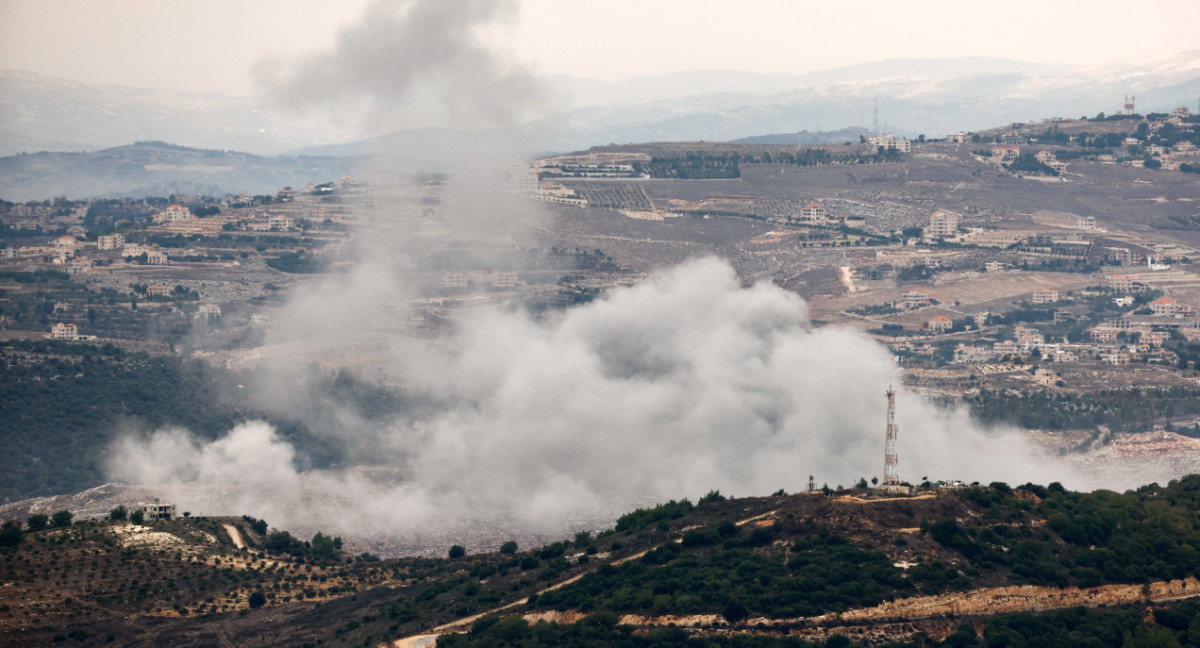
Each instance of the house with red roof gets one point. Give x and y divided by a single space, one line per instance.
939 324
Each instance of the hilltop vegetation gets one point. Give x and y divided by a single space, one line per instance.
64 403
783 560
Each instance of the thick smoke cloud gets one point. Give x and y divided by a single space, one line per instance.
685 382
413 60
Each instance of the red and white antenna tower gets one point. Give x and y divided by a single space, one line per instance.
891 462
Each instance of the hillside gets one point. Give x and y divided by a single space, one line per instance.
833 568
65 404
157 168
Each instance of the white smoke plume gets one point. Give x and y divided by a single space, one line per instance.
413 60
666 389
685 382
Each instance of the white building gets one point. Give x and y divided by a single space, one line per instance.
964 353
1007 347
1166 306
812 212
939 324
503 279
110 242
887 141
1064 355
280 223
943 224
77 265
208 311
1120 283
1002 154
134 250
914 299
1029 338
173 214
62 331
1046 295
156 510
156 257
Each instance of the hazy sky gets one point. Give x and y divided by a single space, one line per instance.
215 45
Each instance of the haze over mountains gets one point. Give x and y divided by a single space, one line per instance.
914 96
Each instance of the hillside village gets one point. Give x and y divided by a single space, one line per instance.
1008 289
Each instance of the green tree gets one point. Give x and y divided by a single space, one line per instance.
10 534
509 548
61 519
457 551
118 513
1150 638
137 517
325 547
257 600
37 522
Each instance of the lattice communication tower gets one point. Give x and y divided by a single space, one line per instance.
891 462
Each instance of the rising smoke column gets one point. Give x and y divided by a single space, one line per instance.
411 60
683 383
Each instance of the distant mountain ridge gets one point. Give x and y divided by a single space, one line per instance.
159 169
935 98
913 96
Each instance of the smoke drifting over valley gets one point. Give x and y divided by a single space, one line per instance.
666 389
684 382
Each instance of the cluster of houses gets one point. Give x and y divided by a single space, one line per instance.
64 250
1119 341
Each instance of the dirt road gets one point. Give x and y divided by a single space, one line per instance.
234 535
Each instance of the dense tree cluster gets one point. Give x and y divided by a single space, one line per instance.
68 401
692 166
825 573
